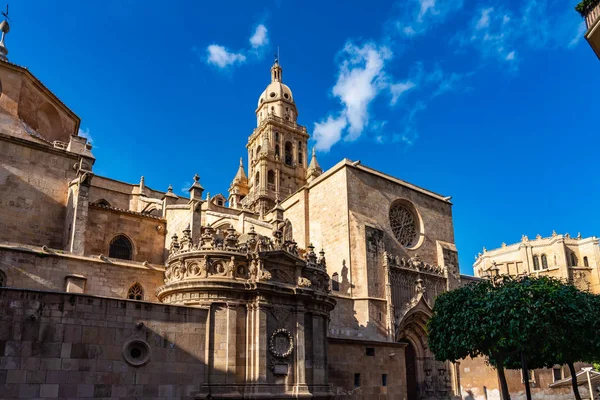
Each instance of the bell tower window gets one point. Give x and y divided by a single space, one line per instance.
257 178
271 177
277 150
289 158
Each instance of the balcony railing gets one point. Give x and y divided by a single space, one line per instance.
590 10
592 16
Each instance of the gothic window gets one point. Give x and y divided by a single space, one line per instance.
335 282
257 151
2 279
287 231
544 262
121 247
289 158
586 263
271 177
102 203
404 224
135 292
300 157
277 150
536 263
257 178
276 137
573 260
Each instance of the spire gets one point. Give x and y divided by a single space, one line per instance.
4 28
276 71
314 169
314 164
240 176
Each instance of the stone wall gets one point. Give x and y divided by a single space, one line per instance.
56 345
347 358
33 268
146 233
479 381
33 184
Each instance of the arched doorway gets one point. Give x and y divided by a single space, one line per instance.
412 392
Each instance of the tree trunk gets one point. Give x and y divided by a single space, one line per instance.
502 379
574 381
525 375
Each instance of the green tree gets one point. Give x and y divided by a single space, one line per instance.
463 325
527 323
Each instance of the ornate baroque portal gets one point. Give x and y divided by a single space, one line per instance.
266 300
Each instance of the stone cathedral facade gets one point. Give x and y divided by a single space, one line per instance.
300 283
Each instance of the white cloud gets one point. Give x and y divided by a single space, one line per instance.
501 33
421 15
360 80
397 89
484 20
260 37
329 132
85 133
581 28
221 57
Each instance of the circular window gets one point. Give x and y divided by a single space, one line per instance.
272 94
136 352
286 95
404 224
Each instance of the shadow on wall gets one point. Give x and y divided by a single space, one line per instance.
32 197
66 345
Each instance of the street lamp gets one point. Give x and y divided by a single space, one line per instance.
587 373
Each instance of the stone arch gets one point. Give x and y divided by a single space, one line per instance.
121 247
412 331
48 121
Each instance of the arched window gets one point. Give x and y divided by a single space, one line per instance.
102 203
300 157
271 177
287 231
289 158
276 137
335 282
257 178
573 260
257 151
277 153
544 262
135 292
536 263
586 263
3 279
121 247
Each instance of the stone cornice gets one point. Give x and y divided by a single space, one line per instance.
48 252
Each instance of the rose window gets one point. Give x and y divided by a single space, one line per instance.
404 225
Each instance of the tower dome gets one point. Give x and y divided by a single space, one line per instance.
277 99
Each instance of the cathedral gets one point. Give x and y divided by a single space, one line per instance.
300 283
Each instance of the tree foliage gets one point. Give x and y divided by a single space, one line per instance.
526 322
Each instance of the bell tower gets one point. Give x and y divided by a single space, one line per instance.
277 152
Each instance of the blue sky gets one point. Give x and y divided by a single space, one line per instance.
489 102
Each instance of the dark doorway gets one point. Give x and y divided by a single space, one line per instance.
411 372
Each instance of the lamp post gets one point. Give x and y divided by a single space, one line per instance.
587 373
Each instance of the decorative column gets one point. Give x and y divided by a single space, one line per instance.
390 319
300 352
